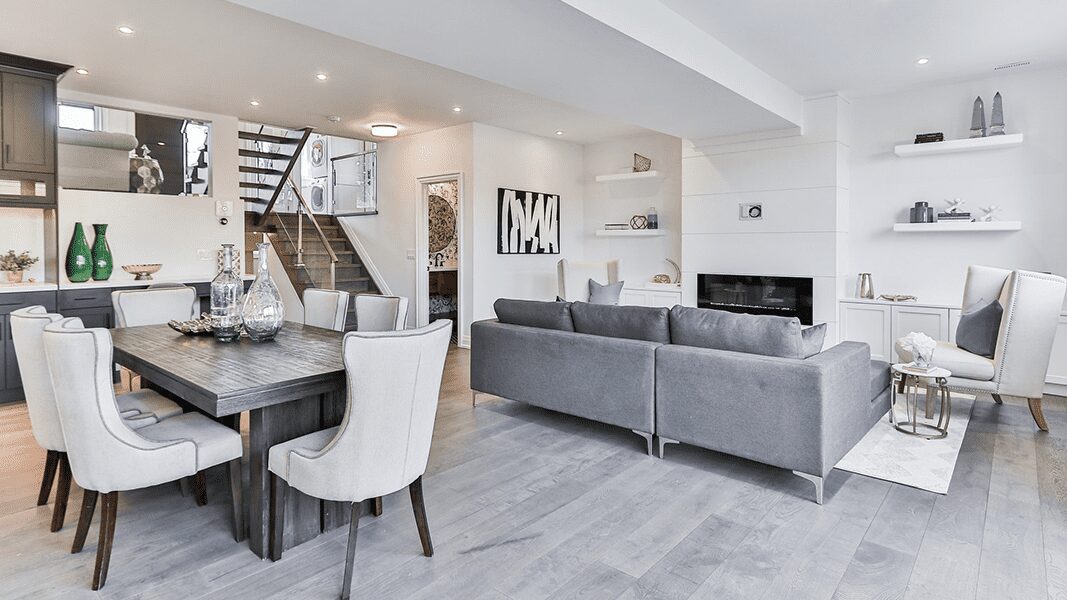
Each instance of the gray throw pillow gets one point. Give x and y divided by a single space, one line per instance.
604 294
811 340
751 334
628 322
979 327
534 313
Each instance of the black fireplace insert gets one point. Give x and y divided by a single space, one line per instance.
757 295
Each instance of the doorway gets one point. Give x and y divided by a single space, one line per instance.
439 251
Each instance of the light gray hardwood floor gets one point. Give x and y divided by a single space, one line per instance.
524 504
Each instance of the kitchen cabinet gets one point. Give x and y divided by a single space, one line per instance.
28 129
659 297
932 321
871 324
10 380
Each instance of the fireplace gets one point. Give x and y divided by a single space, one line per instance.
757 295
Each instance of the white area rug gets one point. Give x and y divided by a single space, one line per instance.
887 454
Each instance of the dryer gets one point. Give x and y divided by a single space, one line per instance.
318 196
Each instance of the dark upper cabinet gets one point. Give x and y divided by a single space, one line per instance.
28 128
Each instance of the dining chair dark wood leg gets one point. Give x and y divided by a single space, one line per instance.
108 509
51 461
278 491
59 511
237 499
350 558
85 518
378 506
200 488
419 506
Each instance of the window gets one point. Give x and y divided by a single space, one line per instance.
73 116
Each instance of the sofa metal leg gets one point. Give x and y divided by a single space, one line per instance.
474 398
1035 411
663 442
814 479
648 439
998 399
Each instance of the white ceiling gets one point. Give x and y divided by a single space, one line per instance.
213 56
860 47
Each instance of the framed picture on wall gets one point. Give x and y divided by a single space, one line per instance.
527 222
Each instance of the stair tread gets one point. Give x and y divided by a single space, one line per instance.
255 185
260 170
266 137
254 200
258 154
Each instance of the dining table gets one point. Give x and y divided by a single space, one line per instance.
289 386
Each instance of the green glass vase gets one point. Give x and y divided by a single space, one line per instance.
79 258
102 261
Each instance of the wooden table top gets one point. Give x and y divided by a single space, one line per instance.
225 379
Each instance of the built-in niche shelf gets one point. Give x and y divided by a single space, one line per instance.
951 226
629 176
630 232
966 145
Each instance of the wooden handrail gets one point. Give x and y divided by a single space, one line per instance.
318 230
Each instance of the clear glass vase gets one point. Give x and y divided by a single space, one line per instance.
264 312
226 299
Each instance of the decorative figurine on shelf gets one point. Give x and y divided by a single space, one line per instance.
16 265
641 163
978 119
996 123
956 205
652 218
146 176
990 213
677 271
638 222
661 278
922 212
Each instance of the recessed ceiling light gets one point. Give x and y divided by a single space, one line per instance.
125 29
333 119
161 143
254 102
384 130
81 71
457 109
922 61
322 76
559 132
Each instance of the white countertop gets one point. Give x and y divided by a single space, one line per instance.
40 286
1063 312
119 282
648 286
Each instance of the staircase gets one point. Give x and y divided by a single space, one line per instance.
276 156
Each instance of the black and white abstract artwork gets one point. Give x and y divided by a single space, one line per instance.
528 222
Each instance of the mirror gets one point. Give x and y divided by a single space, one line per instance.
110 149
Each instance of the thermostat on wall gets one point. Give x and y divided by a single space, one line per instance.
749 212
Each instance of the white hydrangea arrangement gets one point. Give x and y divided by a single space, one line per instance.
921 347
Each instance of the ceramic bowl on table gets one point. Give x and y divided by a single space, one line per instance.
142 272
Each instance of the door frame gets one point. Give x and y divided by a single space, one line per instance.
422 258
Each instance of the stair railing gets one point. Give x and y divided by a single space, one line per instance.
304 209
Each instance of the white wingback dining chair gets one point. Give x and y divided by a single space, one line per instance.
573 277
154 306
383 442
1032 303
140 409
106 455
326 308
381 313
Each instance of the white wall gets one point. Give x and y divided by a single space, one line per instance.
22 230
616 202
1029 183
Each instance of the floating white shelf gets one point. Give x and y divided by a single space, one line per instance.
630 232
966 145
628 176
955 226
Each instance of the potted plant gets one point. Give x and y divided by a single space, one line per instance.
16 265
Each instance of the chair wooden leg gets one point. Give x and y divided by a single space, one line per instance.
200 488
51 461
998 399
108 509
278 491
59 511
1035 411
378 506
237 499
350 558
419 506
84 520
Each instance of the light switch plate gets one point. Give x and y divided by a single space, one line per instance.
411 254
203 254
750 212
224 208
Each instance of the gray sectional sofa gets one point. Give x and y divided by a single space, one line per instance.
751 386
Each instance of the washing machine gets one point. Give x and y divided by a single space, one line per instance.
318 196
315 159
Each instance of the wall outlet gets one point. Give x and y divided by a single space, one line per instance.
203 254
224 208
411 254
750 212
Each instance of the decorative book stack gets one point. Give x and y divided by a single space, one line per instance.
926 138
954 216
616 226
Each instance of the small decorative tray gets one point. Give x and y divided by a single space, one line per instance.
201 326
898 297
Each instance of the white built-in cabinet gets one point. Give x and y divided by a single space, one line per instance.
869 323
659 296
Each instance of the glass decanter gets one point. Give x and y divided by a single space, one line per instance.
226 299
263 310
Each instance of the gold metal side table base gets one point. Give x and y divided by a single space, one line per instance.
912 426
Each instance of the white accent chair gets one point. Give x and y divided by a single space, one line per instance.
573 277
139 409
326 308
1032 303
106 455
383 442
381 313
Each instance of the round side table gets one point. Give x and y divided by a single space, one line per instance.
908 379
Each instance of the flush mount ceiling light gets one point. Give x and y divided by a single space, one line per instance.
457 109
384 130
125 29
254 102
81 71
322 76
333 119
922 61
559 132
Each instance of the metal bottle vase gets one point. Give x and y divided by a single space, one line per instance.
79 261
865 288
103 263
263 311
226 299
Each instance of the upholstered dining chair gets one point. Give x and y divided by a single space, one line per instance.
154 306
383 442
381 313
139 409
326 308
106 455
573 277
1031 305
